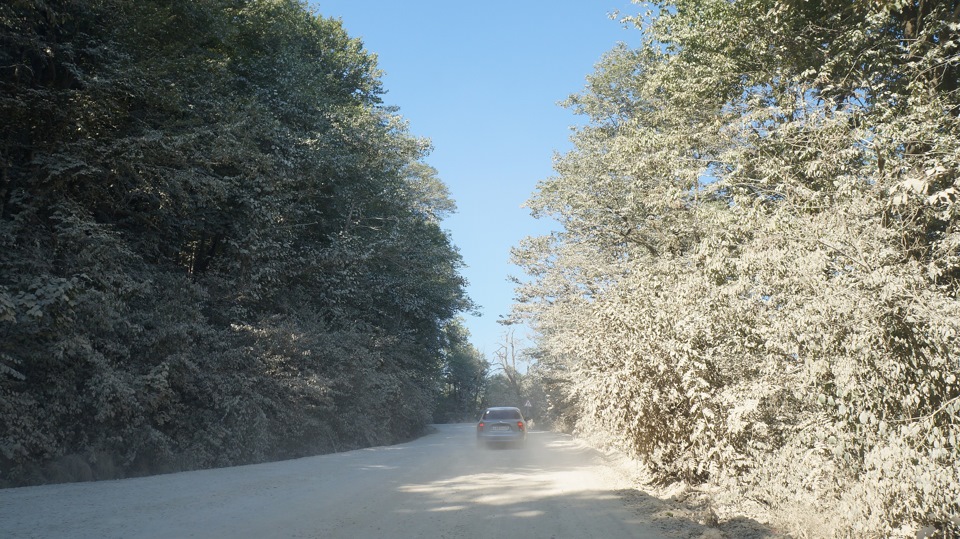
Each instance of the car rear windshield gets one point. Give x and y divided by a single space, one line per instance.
502 414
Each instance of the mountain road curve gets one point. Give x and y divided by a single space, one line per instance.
441 485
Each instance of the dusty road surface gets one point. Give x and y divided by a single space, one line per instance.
439 486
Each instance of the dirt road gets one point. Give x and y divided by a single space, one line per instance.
439 486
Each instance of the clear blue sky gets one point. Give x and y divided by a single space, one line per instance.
482 80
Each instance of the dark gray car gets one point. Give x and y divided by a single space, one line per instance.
502 424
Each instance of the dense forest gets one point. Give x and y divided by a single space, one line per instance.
755 287
217 245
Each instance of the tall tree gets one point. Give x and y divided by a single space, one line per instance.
464 377
217 245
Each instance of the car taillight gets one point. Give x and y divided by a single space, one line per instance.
520 425
480 425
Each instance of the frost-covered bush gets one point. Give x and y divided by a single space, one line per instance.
757 279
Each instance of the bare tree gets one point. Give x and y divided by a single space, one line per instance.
507 356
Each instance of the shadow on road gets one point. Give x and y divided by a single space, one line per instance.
554 487
438 486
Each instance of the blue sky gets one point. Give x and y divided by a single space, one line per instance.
482 80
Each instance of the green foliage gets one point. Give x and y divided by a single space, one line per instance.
464 377
216 246
757 280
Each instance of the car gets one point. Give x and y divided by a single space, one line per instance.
501 424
